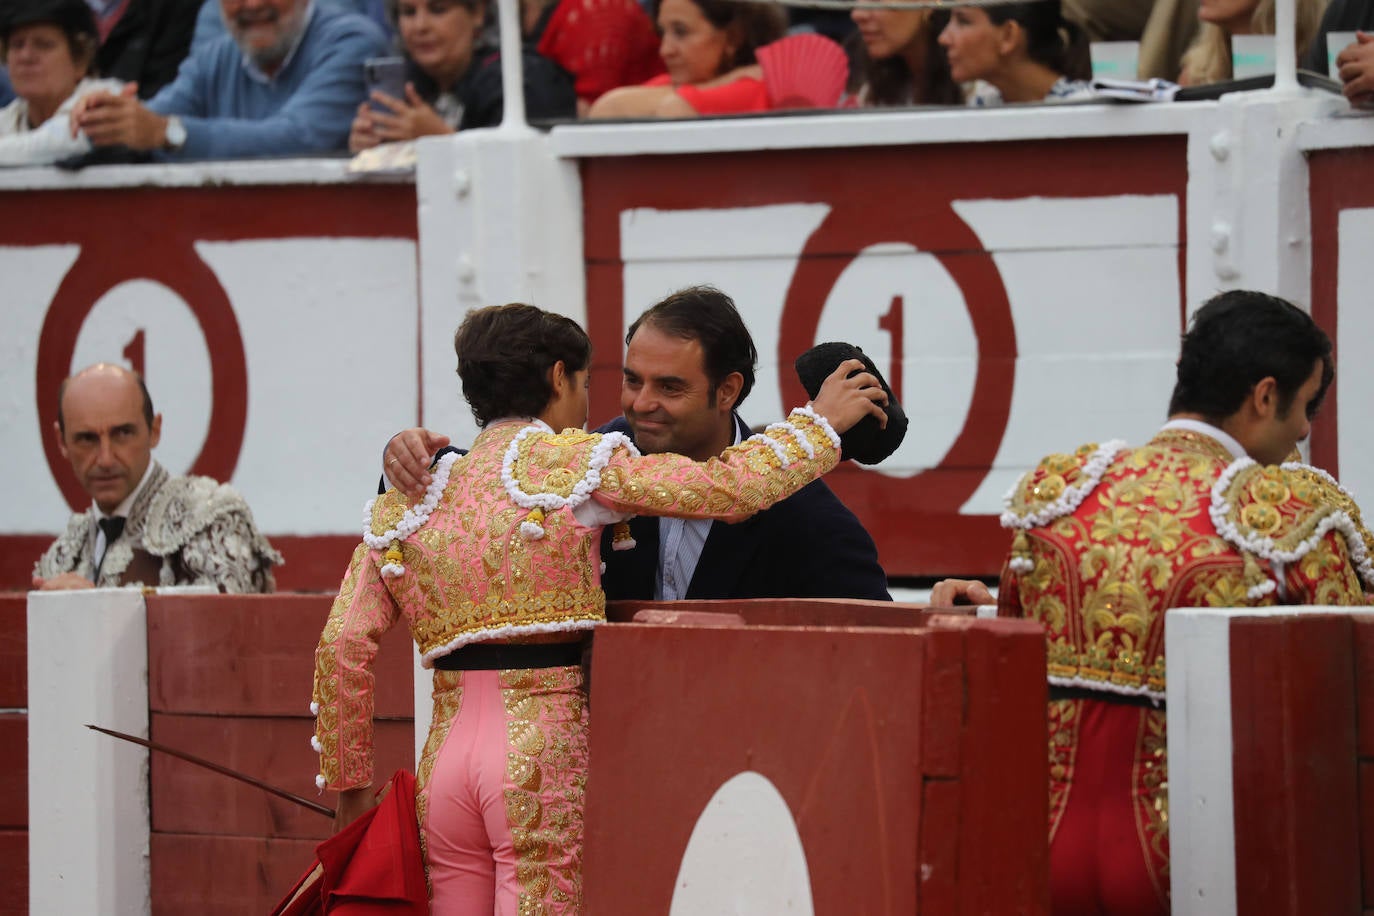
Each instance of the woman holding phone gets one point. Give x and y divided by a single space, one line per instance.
453 81
496 573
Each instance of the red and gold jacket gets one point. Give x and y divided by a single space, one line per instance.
1108 538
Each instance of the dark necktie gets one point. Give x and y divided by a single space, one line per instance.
113 528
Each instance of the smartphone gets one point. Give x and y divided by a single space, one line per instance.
385 74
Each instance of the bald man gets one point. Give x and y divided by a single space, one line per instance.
144 527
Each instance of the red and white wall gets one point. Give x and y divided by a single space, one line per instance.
1021 276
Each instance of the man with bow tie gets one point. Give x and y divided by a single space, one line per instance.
144 527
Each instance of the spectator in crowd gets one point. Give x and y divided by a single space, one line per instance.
710 49
901 61
1108 20
6 90
1018 52
143 41
1108 539
455 83
209 24
1164 29
689 365
49 49
144 526
602 43
1208 59
283 82
1355 63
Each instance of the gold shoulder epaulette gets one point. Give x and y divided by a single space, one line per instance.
387 511
1334 494
390 519
553 463
544 471
1281 512
1057 485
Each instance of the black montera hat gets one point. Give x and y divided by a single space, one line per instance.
73 17
866 442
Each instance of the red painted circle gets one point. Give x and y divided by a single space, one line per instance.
853 228
179 268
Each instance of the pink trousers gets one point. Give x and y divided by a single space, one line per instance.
500 792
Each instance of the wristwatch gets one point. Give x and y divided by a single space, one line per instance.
175 134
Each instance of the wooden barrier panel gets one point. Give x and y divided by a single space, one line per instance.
229 680
1296 773
912 761
14 755
1364 748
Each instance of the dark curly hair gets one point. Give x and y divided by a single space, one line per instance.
708 316
1239 338
506 354
750 26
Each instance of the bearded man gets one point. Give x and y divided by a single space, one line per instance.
285 80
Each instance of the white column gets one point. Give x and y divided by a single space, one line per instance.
1249 225
512 68
500 220
1202 846
1285 45
88 793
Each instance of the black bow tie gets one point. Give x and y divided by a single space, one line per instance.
113 528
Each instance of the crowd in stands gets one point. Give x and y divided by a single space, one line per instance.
134 80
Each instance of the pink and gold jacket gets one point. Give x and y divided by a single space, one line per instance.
505 546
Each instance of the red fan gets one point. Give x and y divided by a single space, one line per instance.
803 71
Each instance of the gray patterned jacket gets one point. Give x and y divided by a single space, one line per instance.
198 531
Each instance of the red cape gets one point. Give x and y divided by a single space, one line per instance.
373 865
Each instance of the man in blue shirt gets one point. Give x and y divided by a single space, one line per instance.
285 81
210 24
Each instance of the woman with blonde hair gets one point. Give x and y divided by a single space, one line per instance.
1208 59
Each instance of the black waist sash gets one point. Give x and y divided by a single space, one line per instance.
505 656
1121 699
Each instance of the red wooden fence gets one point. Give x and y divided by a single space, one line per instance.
229 680
1302 708
14 756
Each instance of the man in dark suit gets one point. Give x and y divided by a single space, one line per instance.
689 364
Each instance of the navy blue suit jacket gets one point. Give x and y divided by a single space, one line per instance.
807 546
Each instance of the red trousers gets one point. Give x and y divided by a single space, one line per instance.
1109 841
